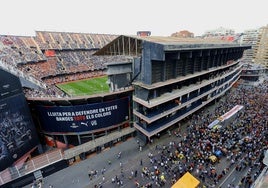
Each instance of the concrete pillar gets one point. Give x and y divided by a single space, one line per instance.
79 139
66 140
40 148
54 140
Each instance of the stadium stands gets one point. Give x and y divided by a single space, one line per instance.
54 57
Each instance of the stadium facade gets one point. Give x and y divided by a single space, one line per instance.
155 82
175 77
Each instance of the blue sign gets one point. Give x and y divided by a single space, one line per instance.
83 118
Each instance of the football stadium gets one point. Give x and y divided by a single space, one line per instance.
67 95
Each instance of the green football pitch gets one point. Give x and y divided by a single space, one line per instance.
85 87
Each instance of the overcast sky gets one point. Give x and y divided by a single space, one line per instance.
161 17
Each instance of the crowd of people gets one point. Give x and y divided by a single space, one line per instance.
241 142
27 55
23 56
68 41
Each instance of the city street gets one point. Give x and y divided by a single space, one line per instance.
132 164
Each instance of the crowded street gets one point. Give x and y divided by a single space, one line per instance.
237 147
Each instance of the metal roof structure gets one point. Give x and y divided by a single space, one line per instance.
131 45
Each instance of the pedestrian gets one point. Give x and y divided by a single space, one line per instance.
122 173
119 155
141 162
135 173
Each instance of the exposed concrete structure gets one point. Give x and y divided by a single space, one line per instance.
174 77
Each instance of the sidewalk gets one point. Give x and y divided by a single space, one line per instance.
77 174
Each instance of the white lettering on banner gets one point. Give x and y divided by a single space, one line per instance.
64 118
103 114
93 123
111 108
90 117
54 114
84 115
101 110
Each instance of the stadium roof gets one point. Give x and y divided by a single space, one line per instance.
132 44
178 40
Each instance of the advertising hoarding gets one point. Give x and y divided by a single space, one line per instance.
83 118
17 132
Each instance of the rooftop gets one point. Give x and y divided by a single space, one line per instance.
175 43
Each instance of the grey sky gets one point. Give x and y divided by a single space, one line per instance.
162 18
